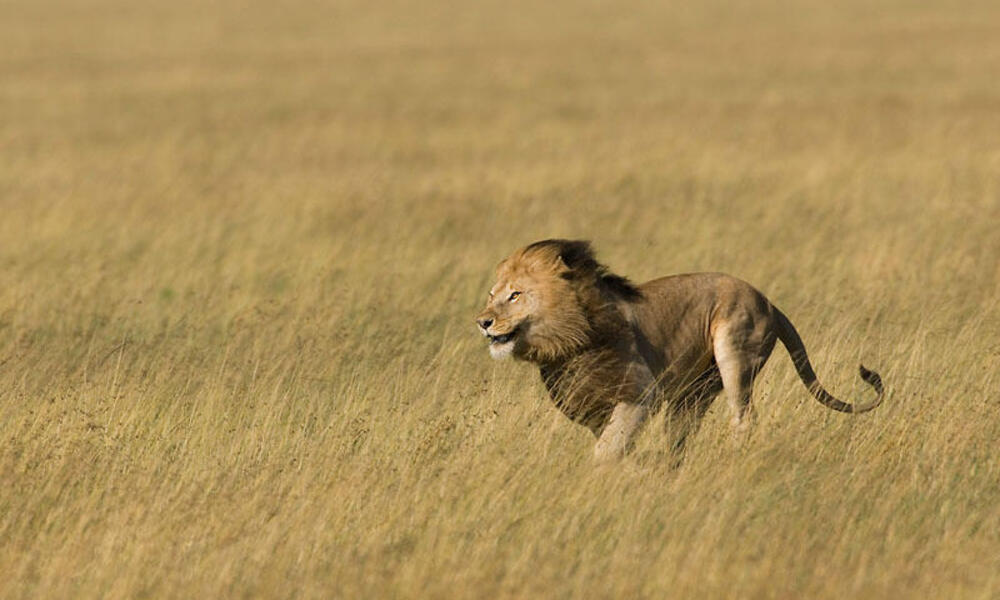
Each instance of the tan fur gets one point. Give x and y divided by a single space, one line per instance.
611 353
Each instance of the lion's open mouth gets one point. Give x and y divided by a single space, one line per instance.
504 338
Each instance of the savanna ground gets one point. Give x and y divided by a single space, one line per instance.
241 247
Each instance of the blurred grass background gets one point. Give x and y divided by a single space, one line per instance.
241 245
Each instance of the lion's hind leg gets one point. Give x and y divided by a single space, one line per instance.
740 357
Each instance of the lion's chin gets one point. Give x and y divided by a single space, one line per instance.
502 351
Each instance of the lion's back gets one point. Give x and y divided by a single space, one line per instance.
677 312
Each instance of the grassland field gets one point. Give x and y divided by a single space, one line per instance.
242 244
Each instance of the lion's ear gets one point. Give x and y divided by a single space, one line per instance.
575 257
564 270
576 253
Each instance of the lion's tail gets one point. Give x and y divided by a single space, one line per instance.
793 343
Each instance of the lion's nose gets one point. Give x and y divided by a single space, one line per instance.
485 323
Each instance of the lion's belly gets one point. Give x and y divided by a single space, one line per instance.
592 413
675 346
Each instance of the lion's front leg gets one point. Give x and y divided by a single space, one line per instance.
618 436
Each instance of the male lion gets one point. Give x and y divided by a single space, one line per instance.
612 353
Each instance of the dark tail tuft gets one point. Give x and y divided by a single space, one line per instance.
871 378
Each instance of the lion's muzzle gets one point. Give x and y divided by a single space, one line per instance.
501 339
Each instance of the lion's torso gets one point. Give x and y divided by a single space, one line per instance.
675 320
663 341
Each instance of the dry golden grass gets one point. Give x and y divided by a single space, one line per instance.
241 246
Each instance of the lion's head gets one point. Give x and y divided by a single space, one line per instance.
543 304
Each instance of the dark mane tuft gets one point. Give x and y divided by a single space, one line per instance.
579 256
621 286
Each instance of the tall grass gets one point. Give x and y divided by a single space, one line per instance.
241 247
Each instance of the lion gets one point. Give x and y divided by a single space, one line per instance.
612 353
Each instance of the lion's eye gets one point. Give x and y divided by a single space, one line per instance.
513 296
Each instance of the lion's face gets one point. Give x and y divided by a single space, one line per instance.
507 319
532 312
